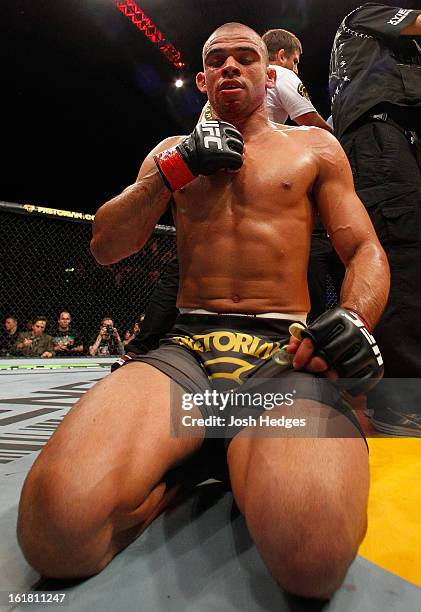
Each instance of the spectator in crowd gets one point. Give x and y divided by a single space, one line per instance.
8 336
108 341
66 340
375 85
130 334
35 343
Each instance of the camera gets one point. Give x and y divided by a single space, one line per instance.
109 330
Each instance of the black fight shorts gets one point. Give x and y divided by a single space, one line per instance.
226 359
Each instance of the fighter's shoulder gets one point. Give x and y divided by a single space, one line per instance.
148 163
327 150
171 141
324 145
313 134
318 137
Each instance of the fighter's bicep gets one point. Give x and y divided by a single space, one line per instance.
351 229
342 212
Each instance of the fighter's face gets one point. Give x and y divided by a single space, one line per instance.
235 71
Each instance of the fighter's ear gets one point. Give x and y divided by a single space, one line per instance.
201 82
270 78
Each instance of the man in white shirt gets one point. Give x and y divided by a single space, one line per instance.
289 97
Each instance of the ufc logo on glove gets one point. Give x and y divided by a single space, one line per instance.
212 128
212 146
369 337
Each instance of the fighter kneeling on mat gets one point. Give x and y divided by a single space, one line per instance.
243 240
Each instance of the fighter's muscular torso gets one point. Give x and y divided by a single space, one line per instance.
243 238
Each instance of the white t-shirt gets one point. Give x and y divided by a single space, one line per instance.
288 98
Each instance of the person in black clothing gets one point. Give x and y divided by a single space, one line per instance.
323 266
375 86
160 313
66 340
8 336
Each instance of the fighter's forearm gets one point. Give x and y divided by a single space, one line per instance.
365 288
123 224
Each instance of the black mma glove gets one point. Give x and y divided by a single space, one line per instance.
212 146
342 338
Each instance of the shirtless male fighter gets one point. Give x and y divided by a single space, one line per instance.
244 219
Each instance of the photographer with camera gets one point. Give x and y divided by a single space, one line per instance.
108 341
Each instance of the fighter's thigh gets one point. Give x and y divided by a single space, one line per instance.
118 434
285 473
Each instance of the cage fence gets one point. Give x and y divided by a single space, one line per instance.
47 267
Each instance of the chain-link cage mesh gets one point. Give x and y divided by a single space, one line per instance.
332 297
47 268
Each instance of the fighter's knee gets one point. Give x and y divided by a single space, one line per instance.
309 557
67 527
315 572
53 528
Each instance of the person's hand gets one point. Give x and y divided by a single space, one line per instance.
305 358
61 347
46 354
27 342
341 339
212 146
102 331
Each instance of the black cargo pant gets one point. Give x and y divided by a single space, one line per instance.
323 264
388 181
161 312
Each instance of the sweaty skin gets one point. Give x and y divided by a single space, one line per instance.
250 232
244 237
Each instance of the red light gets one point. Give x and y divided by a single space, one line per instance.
131 10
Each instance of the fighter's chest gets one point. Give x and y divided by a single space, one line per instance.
268 175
